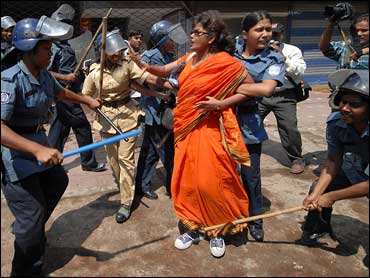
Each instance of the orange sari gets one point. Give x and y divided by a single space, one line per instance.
206 187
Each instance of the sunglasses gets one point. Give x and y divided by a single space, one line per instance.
353 103
198 33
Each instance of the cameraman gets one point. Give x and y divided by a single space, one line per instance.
338 51
283 103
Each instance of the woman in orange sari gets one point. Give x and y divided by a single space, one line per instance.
206 188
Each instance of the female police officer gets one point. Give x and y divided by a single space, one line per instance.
32 190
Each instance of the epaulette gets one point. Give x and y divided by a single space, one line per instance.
334 116
10 73
149 53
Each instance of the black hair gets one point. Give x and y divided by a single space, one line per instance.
132 33
253 18
212 22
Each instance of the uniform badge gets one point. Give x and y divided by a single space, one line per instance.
274 70
5 96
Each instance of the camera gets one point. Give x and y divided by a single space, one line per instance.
273 42
340 11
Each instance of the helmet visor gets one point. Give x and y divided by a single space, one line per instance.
64 12
114 42
177 34
7 22
54 29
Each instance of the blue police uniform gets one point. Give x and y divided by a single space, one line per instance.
342 140
154 132
265 65
69 115
31 190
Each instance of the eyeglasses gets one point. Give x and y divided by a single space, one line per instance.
198 33
353 103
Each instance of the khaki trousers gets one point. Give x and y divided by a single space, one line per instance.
122 161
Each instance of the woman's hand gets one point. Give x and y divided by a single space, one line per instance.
210 104
135 57
48 156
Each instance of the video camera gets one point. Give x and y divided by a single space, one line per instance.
340 11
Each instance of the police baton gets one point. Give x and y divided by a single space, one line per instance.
101 143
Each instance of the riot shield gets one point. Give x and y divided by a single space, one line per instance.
80 44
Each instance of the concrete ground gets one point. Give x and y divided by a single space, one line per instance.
85 240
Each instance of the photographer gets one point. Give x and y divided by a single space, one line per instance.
283 103
352 56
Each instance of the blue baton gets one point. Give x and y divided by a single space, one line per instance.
101 143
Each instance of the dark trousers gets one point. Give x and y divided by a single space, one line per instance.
316 223
32 201
284 107
67 116
150 155
251 177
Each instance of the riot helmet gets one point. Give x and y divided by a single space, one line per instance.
114 42
349 81
7 22
162 31
29 31
64 13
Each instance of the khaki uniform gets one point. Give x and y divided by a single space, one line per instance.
125 116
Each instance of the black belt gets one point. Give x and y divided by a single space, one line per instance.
27 129
116 103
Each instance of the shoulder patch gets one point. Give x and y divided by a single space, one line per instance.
334 116
274 70
5 97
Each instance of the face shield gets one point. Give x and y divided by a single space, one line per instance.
64 12
177 34
114 43
54 29
7 22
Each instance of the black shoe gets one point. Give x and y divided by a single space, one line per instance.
122 214
151 195
99 168
256 232
312 238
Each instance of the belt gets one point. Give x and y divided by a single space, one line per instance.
27 129
247 109
116 103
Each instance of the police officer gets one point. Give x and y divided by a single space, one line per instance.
267 69
346 170
119 73
7 25
32 190
160 54
69 115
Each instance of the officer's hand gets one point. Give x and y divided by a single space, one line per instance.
355 56
71 77
311 202
210 104
164 96
48 156
325 201
94 103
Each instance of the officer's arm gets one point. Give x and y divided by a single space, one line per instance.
158 82
357 190
264 89
331 168
69 77
68 95
326 37
137 87
13 140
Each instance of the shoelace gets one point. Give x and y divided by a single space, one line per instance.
217 242
185 238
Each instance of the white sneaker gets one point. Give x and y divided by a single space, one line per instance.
187 239
217 246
